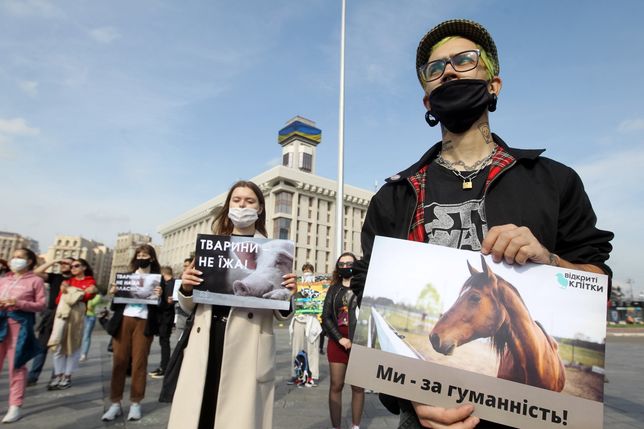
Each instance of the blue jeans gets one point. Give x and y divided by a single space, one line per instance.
90 321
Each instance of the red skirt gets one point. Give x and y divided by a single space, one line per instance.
334 350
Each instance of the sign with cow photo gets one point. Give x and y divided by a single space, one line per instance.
524 344
310 295
134 288
243 271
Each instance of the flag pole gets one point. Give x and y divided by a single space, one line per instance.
339 221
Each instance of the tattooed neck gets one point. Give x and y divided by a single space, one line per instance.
484 129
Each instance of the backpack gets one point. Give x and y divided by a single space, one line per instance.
302 371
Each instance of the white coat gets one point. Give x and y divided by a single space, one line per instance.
247 384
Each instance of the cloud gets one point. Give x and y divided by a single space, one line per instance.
29 87
631 125
17 127
105 35
23 8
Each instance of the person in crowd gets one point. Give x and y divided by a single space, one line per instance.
90 322
339 320
54 280
227 376
67 332
305 330
22 294
132 327
166 320
4 267
180 315
513 204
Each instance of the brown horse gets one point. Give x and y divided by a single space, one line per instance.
489 306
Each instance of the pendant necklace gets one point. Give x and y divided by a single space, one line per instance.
478 167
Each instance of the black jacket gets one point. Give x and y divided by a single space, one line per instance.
331 308
533 191
537 192
151 326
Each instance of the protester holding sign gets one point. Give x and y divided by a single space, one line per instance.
22 293
227 375
339 321
132 327
304 330
471 191
69 322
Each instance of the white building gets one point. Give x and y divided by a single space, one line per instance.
96 254
11 241
300 206
126 244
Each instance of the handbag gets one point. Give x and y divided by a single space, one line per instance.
173 369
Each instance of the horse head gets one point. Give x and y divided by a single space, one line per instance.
477 312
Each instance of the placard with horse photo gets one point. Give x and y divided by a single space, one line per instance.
441 326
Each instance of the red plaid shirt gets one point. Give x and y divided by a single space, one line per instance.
500 161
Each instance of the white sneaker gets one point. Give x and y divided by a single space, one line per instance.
112 412
13 415
83 358
135 412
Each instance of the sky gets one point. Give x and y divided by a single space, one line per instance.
119 116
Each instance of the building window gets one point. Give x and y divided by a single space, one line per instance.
282 227
283 202
306 162
286 160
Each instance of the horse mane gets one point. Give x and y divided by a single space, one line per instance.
501 337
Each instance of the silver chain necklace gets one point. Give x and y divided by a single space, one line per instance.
478 166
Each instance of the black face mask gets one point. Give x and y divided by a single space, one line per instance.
345 272
143 263
459 103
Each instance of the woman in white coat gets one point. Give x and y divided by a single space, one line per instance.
227 375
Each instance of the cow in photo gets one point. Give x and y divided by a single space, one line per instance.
489 306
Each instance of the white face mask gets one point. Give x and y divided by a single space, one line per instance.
17 264
308 278
242 217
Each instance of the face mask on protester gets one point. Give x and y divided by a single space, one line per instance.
345 272
144 263
243 217
459 103
18 264
308 278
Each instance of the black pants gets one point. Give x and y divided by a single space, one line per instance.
213 373
165 331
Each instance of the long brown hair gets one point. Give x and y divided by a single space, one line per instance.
155 268
87 271
222 225
335 277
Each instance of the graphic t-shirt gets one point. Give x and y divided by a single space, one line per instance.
454 217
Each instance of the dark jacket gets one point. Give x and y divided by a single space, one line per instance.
331 309
27 346
533 191
151 326
530 190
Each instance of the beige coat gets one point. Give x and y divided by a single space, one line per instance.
246 388
69 322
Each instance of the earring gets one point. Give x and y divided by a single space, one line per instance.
431 120
492 106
